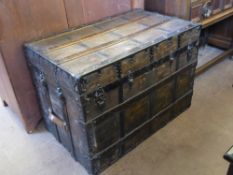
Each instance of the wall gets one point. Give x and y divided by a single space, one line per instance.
27 20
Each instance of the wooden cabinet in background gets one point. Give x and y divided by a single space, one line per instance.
209 13
195 10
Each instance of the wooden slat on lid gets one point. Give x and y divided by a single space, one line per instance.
122 48
101 40
151 36
175 26
80 47
114 52
154 19
86 31
66 52
102 33
75 67
94 51
104 57
130 29
60 40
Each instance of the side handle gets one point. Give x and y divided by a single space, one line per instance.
57 121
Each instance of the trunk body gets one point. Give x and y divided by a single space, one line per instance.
106 87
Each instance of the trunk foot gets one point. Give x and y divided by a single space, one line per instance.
5 103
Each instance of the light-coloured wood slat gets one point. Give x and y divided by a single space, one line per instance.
102 40
214 61
112 53
72 37
99 32
89 53
111 43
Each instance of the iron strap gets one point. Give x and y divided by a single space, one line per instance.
143 93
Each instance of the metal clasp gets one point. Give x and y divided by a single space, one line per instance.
172 58
130 79
190 51
99 96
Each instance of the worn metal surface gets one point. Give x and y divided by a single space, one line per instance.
110 81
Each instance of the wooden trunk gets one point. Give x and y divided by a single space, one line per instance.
106 87
195 10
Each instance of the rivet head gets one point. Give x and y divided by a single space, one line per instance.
59 91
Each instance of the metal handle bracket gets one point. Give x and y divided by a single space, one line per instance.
57 121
